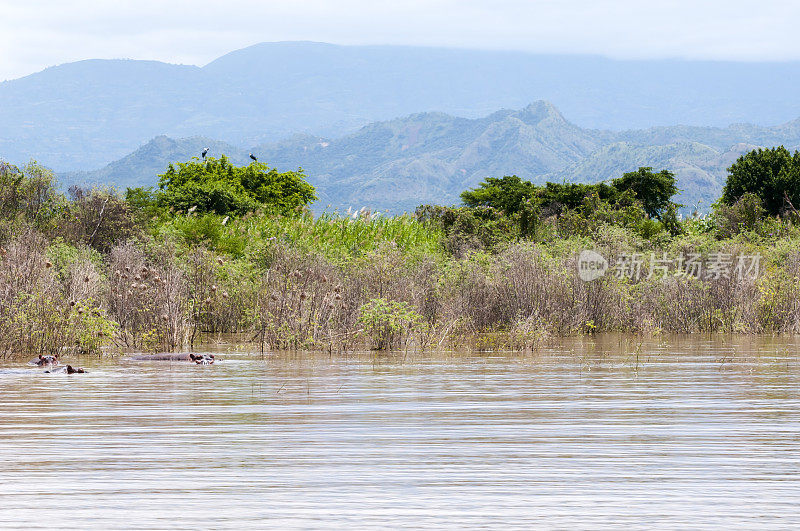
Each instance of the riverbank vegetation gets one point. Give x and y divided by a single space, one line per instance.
217 249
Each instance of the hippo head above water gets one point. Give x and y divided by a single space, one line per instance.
202 359
69 369
45 360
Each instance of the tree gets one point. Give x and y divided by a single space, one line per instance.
216 186
555 197
773 175
506 193
653 190
29 192
636 199
97 217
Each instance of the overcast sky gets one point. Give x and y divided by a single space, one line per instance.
35 34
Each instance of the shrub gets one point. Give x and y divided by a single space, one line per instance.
97 217
468 229
29 193
741 216
207 230
388 323
47 298
218 187
773 175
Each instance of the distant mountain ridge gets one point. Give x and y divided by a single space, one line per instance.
83 115
432 157
141 167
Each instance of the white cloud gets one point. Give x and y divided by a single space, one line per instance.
38 33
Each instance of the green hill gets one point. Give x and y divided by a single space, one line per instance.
432 157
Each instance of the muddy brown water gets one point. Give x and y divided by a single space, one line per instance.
587 432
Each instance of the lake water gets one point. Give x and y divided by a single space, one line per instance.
588 433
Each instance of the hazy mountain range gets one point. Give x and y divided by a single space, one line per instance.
432 157
83 115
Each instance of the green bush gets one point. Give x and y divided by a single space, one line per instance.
635 200
743 215
218 187
654 191
29 193
469 228
209 231
773 175
388 323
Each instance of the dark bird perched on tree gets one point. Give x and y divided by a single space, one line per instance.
205 152
253 157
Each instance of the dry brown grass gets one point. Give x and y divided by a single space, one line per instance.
162 299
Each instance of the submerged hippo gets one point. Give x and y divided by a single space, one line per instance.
69 369
200 359
161 356
41 361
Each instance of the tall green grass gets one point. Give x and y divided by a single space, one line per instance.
334 236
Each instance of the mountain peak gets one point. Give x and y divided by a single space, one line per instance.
539 111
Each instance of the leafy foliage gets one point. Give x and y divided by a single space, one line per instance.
557 197
28 193
773 175
653 190
99 218
505 193
388 322
468 228
502 209
218 187
742 216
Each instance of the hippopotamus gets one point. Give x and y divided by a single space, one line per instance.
161 356
41 361
200 359
69 369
